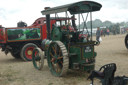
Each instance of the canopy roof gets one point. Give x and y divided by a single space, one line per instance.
75 8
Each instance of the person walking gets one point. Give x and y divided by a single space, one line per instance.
98 34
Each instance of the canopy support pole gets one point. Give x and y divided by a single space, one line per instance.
79 21
91 24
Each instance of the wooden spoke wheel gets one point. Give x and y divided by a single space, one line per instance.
57 58
126 41
38 58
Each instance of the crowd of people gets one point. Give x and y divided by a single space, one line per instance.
106 31
101 32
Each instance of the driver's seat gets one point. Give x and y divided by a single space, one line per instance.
105 74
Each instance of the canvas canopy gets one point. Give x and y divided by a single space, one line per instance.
75 8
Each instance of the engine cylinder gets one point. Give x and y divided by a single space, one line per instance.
45 43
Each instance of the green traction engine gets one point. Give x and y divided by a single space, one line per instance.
68 45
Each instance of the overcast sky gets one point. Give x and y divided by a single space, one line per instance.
13 11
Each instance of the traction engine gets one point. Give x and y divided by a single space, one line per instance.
66 47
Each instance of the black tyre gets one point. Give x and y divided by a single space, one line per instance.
16 55
26 51
126 41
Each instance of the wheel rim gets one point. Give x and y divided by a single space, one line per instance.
57 59
28 52
38 58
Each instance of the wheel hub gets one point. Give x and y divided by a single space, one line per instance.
29 52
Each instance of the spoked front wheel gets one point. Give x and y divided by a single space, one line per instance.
57 58
38 58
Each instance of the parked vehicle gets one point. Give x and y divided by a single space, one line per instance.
126 41
63 47
21 40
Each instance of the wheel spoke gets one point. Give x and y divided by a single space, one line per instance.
54 50
51 54
57 49
53 59
60 57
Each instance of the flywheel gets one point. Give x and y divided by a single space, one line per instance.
57 58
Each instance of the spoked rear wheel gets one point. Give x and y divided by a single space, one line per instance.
57 58
38 58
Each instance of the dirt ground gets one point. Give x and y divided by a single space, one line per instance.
18 72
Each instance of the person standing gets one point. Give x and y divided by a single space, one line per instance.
108 32
98 34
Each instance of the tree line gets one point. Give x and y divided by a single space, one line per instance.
113 27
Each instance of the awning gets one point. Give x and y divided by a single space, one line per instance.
75 8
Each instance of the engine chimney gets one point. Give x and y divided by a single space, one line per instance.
48 24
